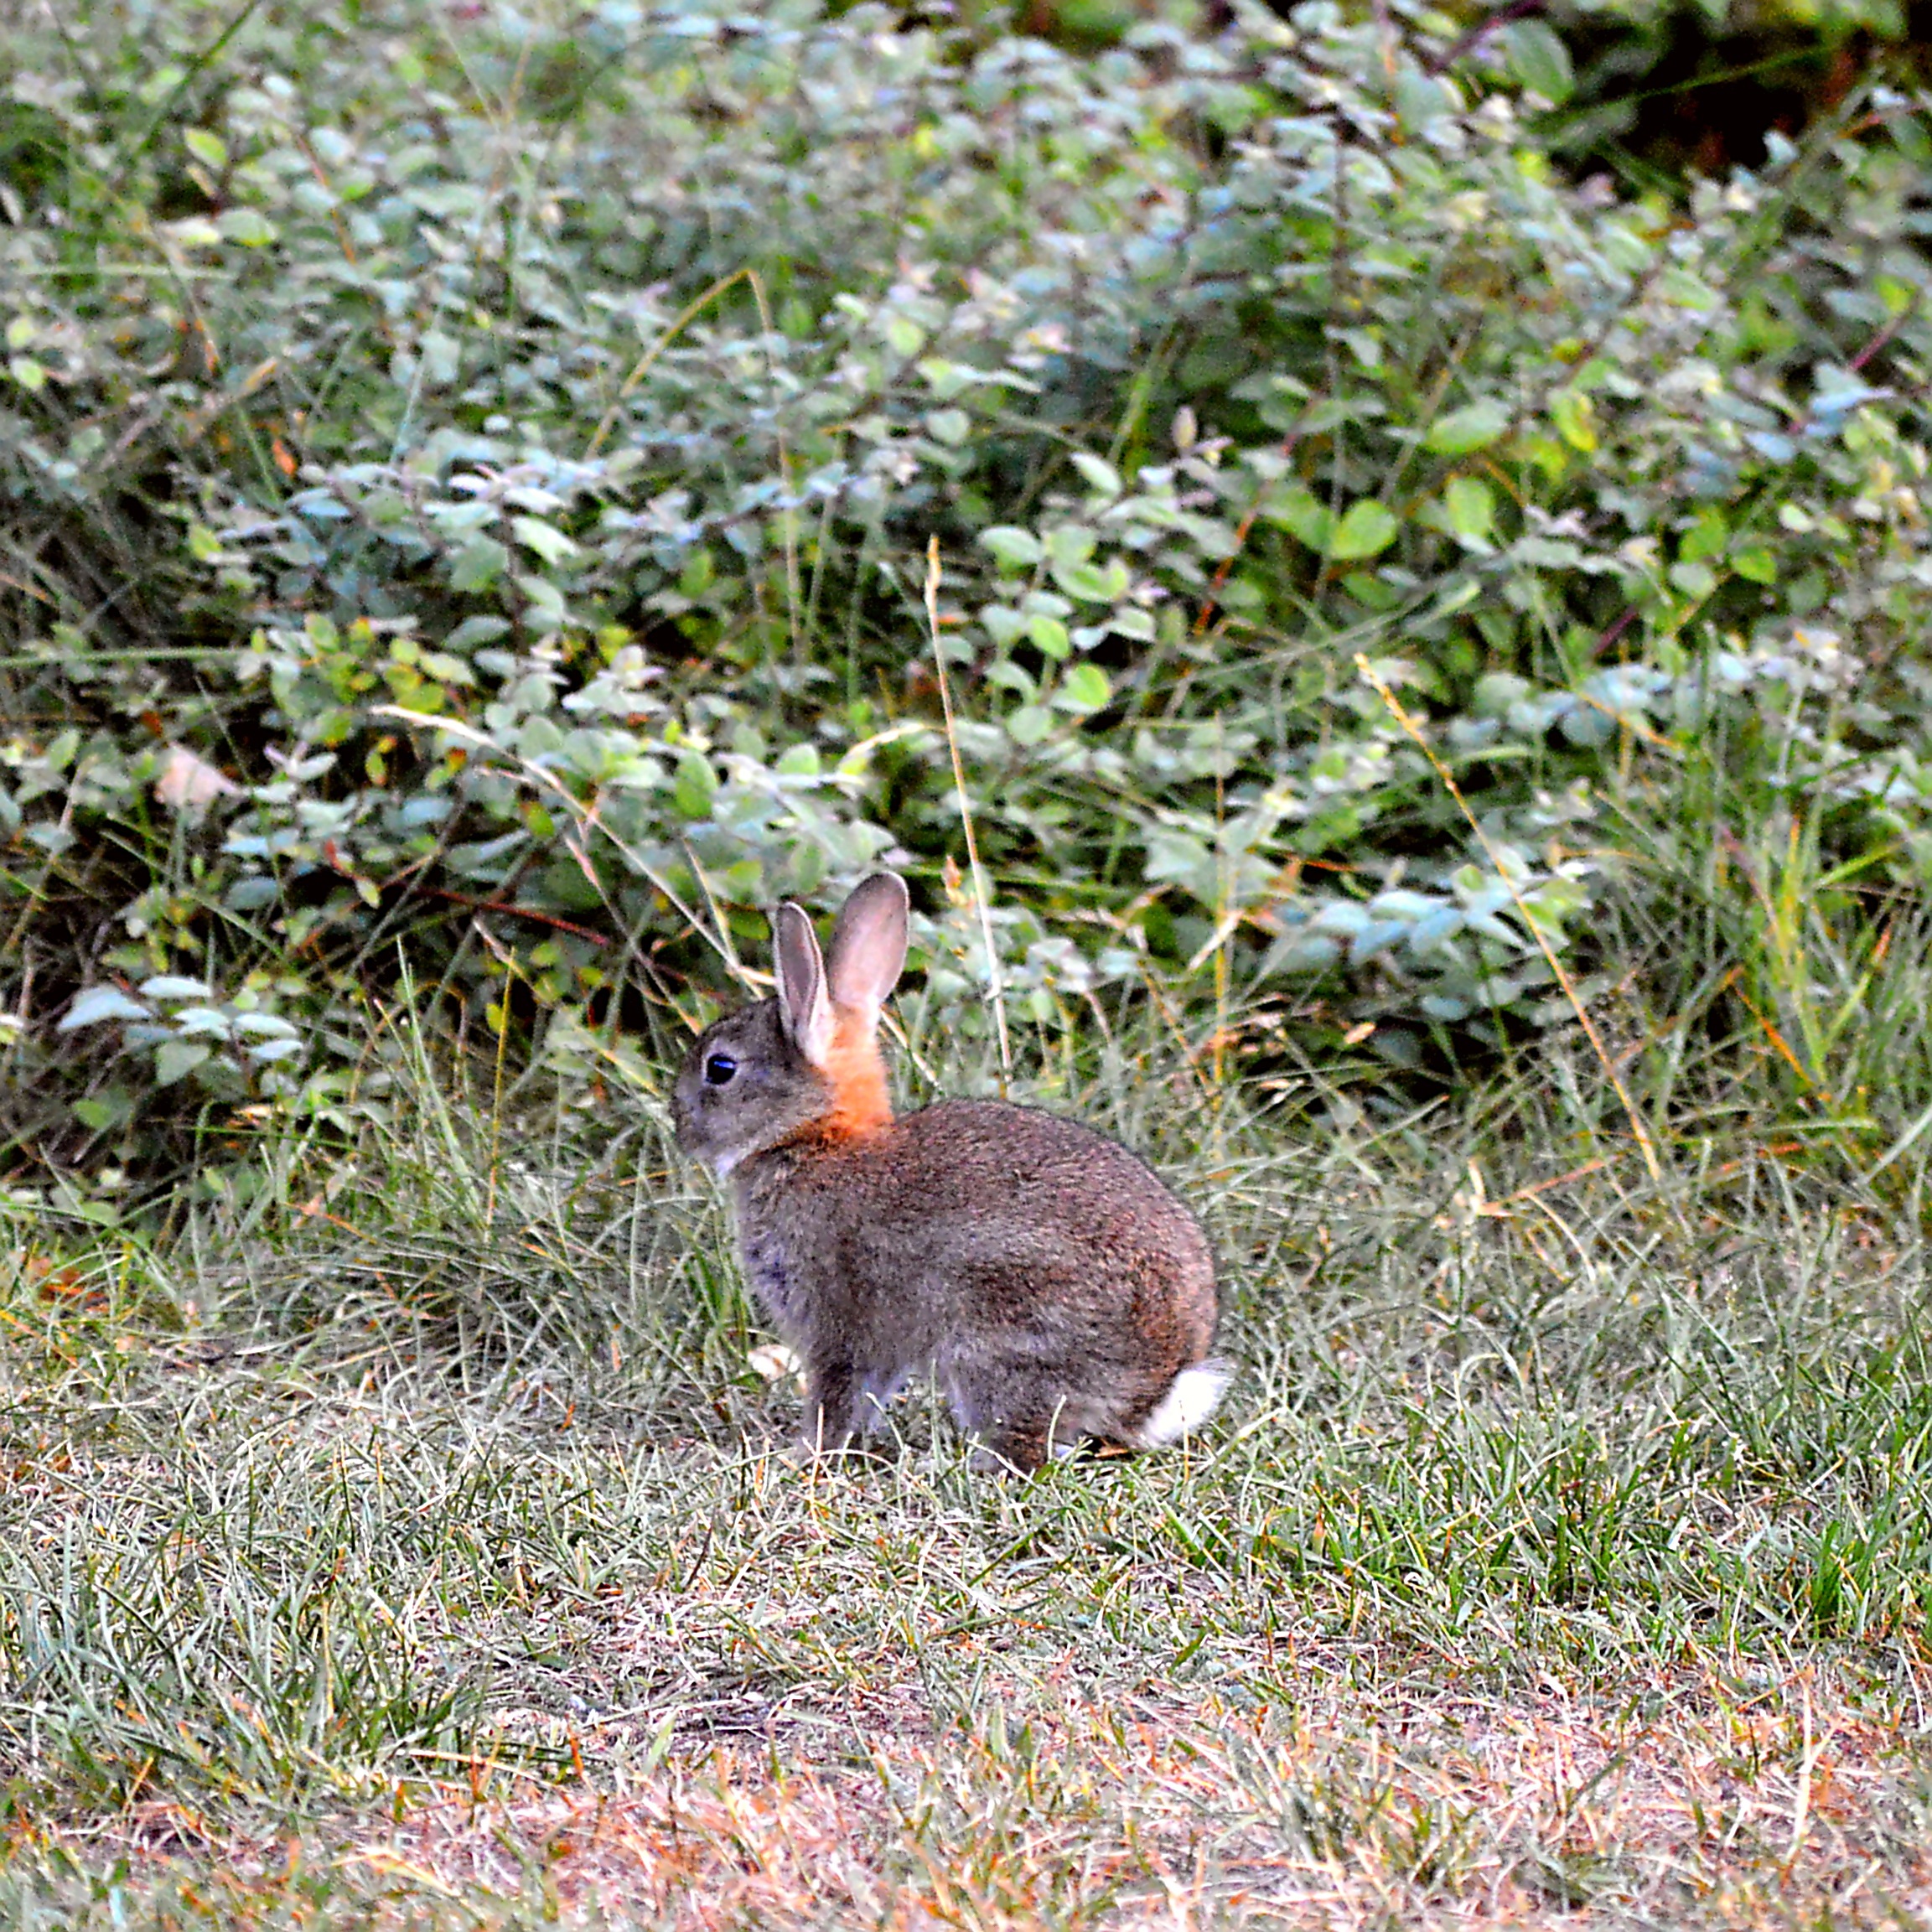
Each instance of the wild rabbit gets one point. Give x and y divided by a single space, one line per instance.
1053 1286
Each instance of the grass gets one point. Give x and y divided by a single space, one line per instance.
420 1547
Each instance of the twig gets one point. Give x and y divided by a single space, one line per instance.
504 906
1374 679
1517 10
582 818
995 990
657 349
788 524
1615 631
1884 334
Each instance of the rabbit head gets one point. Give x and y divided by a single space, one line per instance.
805 1063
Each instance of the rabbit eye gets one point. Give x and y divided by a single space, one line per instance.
719 1069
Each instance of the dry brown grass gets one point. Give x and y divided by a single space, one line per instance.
1391 1790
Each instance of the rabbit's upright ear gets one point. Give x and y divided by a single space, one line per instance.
868 945
802 1001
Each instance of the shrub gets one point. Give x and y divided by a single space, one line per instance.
470 493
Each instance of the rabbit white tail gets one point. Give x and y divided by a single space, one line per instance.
1188 1404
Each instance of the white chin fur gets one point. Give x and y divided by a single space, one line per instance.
726 1162
1185 1407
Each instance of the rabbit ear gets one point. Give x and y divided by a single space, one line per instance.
868 944
801 994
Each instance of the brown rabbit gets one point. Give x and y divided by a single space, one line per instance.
1053 1286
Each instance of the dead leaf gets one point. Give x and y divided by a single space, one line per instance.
188 782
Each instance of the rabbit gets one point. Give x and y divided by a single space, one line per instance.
1046 1276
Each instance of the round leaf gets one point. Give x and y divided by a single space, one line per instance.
99 1003
1013 547
1471 505
1029 724
1540 60
1049 636
174 987
1367 530
1085 689
174 1060
1461 430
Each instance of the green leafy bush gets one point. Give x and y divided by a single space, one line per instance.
469 493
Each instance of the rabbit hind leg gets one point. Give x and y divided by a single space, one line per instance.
1024 1417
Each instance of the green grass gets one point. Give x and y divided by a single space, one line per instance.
420 1548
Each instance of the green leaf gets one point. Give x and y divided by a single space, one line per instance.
1706 536
1682 287
1759 563
1540 60
1013 547
1102 478
1049 635
950 426
547 606
1471 507
475 630
1070 543
1003 624
249 226
1297 512
948 379
477 564
206 147
1091 584
174 1060
1029 724
1367 530
1085 689
696 786
104 1110
1575 416
1473 426
551 544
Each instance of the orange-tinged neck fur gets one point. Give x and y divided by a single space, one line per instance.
860 1104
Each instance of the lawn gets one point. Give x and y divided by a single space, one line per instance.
428 1552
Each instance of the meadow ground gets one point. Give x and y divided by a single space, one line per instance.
420 1547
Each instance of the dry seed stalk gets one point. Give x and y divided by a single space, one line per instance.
1645 1144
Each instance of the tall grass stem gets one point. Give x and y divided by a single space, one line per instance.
996 991
1639 1130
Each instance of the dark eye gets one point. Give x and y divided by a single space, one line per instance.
719 1069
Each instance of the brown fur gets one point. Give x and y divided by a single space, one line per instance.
1046 1276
